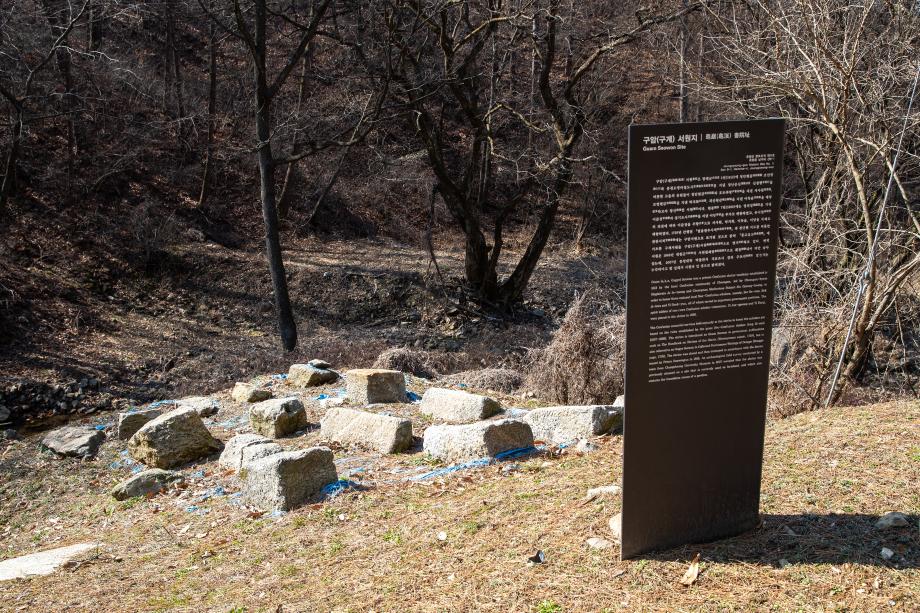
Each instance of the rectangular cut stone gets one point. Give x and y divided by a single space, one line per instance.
382 433
244 448
129 423
286 480
173 439
308 375
277 417
455 406
246 392
568 424
372 385
485 439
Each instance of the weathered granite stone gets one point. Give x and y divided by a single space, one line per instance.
173 439
74 441
131 422
458 407
277 417
286 480
558 425
382 433
244 448
205 406
373 385
245 392
43 562
146 482
461 443
892 520
306 375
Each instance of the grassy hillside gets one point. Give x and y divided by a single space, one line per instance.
828 476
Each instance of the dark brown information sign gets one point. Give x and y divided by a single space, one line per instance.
701 265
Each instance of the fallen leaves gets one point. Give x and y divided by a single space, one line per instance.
693 572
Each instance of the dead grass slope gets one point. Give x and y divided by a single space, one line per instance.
827 476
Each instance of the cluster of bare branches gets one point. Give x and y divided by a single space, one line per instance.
841 73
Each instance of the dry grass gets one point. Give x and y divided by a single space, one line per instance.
827 475
415 361
583 364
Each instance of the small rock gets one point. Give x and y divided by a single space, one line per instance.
442 536
205 406
568 423
616 526
286 480
371 385
620 402
244 392
146 482
321 364
599 543
305 375
892 520
172 439
379 432
278 417
457 407
129 423
9 434
604 490
74 441
585 446
886 553
244 448
783 563
4 414
507 469
43 562
462 443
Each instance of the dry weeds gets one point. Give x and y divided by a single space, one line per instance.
827 476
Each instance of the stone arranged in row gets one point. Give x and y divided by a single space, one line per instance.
145 483
374 385
278 417
173 439
315 373
567 424
132 421
383 433
74 441
462 443
283 481
244 448
458 407
246 392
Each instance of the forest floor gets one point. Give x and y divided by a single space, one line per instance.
211 320
461 542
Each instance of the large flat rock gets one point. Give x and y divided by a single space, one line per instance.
286 480
74 441
462 443
382 433
173 439
246 392
567 424
374 385
43 562
457 407
147 482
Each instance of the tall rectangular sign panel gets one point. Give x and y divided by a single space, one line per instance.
701 266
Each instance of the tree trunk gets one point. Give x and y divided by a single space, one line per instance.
9 168
286 325
212 108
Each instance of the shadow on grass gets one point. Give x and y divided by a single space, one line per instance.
811 539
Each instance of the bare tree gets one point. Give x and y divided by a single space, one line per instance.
493 147
840 72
